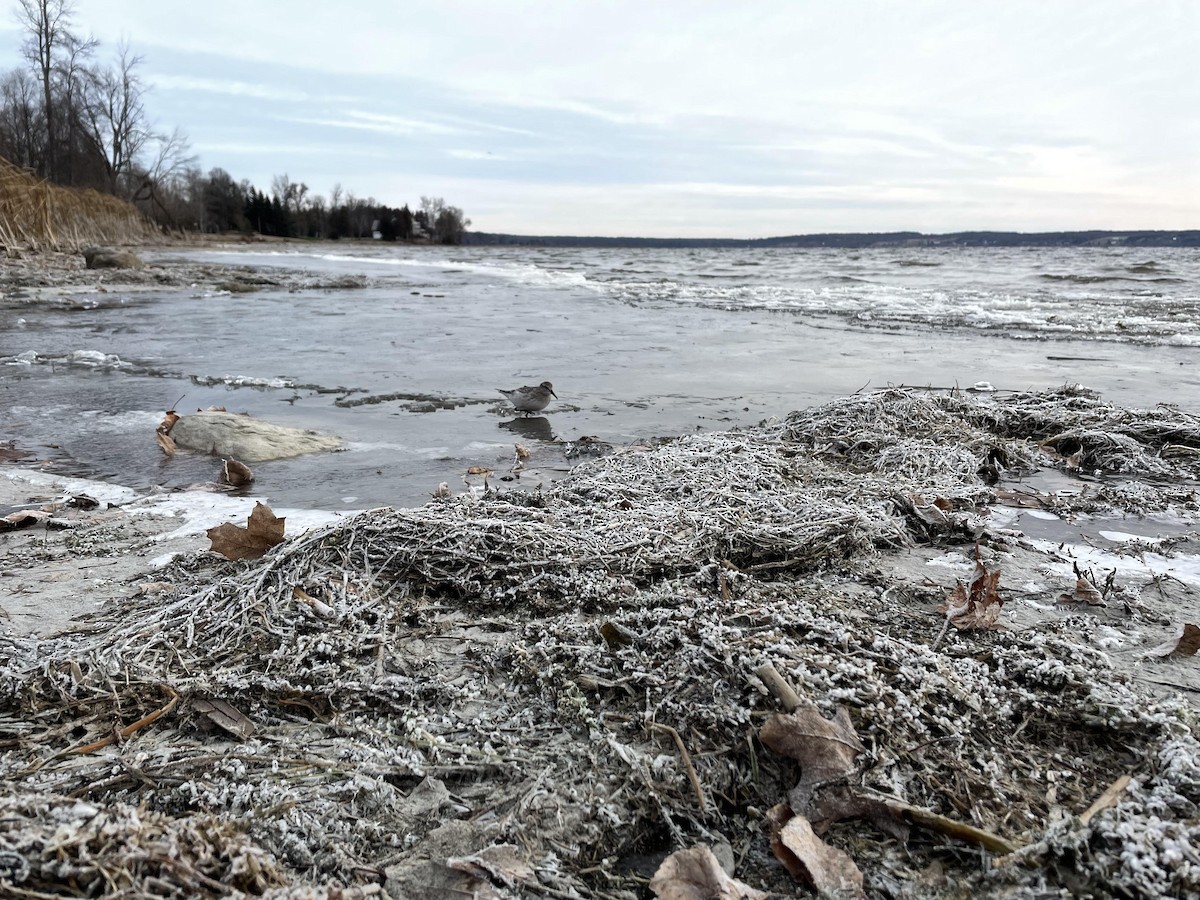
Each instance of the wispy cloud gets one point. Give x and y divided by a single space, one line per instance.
374 122
230 88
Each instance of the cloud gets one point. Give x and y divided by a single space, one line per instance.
375 122
226 87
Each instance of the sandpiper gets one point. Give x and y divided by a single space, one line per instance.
530 399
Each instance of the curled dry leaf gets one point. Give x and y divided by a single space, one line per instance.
236 473
479 470
979 605
618 635
500 863
163 433
522 451
696 874
226 717
1185 643
262 532
1085 592
24 518
830 871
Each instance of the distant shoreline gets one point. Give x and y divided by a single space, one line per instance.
863 240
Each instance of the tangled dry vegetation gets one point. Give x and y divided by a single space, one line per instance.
38 215
544 694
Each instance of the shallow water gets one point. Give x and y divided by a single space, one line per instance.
639 343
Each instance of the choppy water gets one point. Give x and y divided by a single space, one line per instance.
638 343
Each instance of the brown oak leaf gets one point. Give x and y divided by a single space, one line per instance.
262 532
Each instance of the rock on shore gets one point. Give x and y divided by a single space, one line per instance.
247 439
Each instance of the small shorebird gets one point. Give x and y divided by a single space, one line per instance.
530 399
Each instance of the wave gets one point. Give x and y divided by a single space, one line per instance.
1101 279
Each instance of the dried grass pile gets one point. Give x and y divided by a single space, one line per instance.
540 695
38 215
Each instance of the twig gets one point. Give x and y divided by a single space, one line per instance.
687 764
130 729
779 687
1110 797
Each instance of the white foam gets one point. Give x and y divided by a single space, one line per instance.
195 511
1181 566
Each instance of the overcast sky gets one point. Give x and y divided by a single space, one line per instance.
688 117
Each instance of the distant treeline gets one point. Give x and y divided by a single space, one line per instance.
868 239
75 121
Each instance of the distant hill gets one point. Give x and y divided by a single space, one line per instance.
883 239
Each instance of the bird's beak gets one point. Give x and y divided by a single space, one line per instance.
552 394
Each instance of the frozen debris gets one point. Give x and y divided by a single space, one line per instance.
425 684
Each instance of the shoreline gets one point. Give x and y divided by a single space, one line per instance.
551 692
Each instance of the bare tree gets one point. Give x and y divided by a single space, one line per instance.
446 224
117 119
166 175
290 193
47 26
22 130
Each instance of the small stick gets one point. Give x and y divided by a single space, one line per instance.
1109 798
130 729
779 687
950 827
687 764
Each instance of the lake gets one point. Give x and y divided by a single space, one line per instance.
639 343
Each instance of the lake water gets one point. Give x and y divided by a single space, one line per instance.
638 343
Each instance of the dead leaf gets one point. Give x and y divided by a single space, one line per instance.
1021 499
696 874
168 422
226 717
825 748
830 871
1185 643
479 470
618 635
166 443
24 518
1085 592
978 606
154 588
82 501
236 473
264 530
499 863
522 451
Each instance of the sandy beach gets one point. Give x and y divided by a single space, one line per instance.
557 691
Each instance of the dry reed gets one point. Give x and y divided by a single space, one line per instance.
37 215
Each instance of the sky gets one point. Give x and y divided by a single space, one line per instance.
690 118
